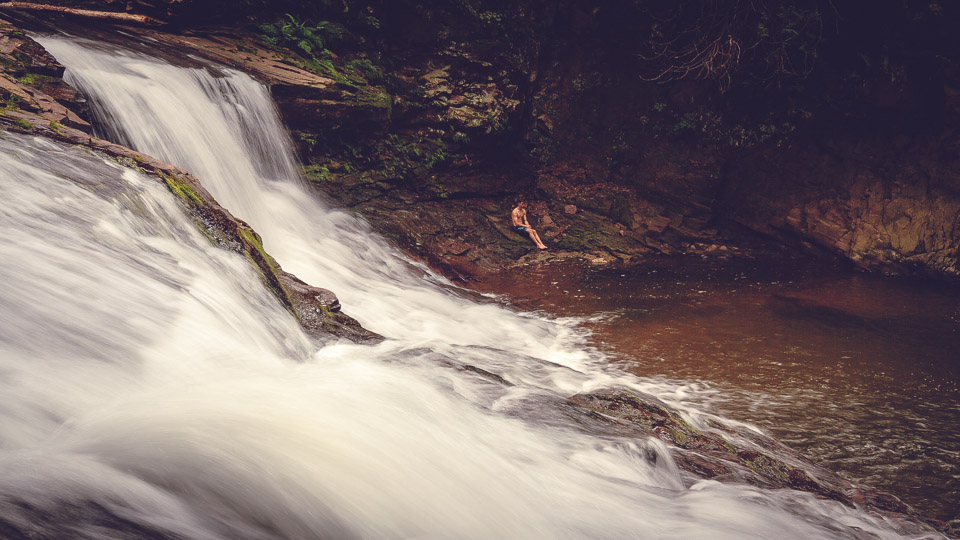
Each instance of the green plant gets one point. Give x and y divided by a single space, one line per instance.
439 156
410 155
182 189
372 22
306 39
307 140
12 103
317 173
24 124
366 69
687 123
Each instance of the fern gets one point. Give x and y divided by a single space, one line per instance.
300 36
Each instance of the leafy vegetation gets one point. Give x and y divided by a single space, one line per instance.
408 156
365 68
309 41
618 77
318 173
302 36
12 103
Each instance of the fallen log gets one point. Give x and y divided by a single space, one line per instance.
86 13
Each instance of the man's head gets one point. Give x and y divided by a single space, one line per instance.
521 203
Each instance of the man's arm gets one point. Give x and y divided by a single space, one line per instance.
525 222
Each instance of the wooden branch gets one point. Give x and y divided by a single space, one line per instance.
86 13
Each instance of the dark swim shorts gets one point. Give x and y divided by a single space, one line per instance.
519 229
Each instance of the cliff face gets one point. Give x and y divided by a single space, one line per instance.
856 161
893 208
431 122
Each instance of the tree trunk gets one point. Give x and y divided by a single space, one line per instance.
86 13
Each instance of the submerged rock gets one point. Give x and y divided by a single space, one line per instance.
721 452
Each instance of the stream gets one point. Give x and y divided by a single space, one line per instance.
153 388
859 372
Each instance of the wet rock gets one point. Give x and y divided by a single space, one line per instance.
318 311
31 81
720 452
31 57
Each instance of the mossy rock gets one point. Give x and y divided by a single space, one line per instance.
181 188
588 231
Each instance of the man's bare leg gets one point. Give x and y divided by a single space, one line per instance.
536 239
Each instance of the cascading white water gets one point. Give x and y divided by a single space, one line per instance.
151 385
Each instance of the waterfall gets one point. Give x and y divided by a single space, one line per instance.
151 386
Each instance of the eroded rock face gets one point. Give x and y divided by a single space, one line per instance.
873 206
466 99
895 228
31 81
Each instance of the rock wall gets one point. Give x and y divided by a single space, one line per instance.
888 208
431 128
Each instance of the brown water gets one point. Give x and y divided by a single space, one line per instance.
861 373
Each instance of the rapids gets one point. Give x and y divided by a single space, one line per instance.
152 387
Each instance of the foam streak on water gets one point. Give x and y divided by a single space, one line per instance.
151 385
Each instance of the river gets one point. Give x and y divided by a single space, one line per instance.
859 372
154 388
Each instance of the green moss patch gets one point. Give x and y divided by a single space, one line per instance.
182 189
253 239
268 266
36 80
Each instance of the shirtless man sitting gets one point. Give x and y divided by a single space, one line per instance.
520 224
